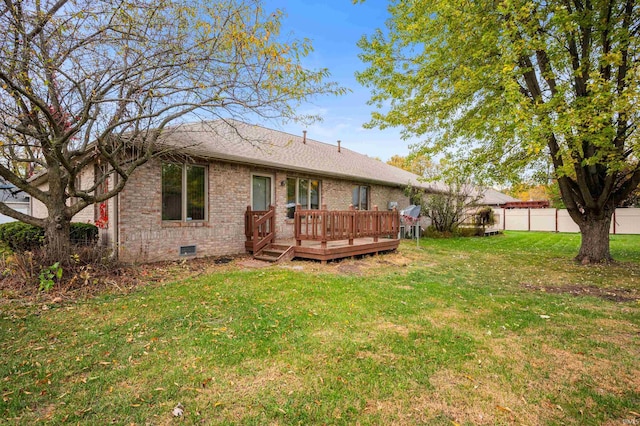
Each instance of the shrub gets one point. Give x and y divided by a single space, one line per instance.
432 232
460 231
84 233
20 236
29 270
469 231
29 267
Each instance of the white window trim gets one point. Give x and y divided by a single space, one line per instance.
320 189
184 194
368 207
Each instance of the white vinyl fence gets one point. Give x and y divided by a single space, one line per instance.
625 221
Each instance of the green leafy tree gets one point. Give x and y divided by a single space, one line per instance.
453 200
450 208
96 81
510 85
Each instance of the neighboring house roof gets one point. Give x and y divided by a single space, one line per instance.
491 197
250 144
11 194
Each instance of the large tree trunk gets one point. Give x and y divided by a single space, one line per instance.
595 239
57 237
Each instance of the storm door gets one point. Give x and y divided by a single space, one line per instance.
260 192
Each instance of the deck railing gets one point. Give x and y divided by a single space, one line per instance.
259 227
333 225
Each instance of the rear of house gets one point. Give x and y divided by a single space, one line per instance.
192 202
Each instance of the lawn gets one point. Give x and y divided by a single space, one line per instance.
499 330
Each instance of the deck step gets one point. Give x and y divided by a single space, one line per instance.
274 253
280 247
266 258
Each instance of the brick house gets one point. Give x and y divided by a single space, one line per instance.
193 201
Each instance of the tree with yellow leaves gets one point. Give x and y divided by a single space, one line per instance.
96 81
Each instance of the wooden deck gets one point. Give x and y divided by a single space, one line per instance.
340 249
323 234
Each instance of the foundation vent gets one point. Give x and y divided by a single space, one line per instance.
187 250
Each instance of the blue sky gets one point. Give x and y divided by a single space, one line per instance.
334 27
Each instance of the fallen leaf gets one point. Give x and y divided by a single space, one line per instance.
178 410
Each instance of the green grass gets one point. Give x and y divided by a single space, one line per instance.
458 331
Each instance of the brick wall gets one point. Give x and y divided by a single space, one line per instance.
145 237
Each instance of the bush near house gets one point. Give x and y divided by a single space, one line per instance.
20 236
84 234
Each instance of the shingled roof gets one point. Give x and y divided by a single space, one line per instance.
494 198
244 143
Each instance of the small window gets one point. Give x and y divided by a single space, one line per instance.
305 192
360 197
183 192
